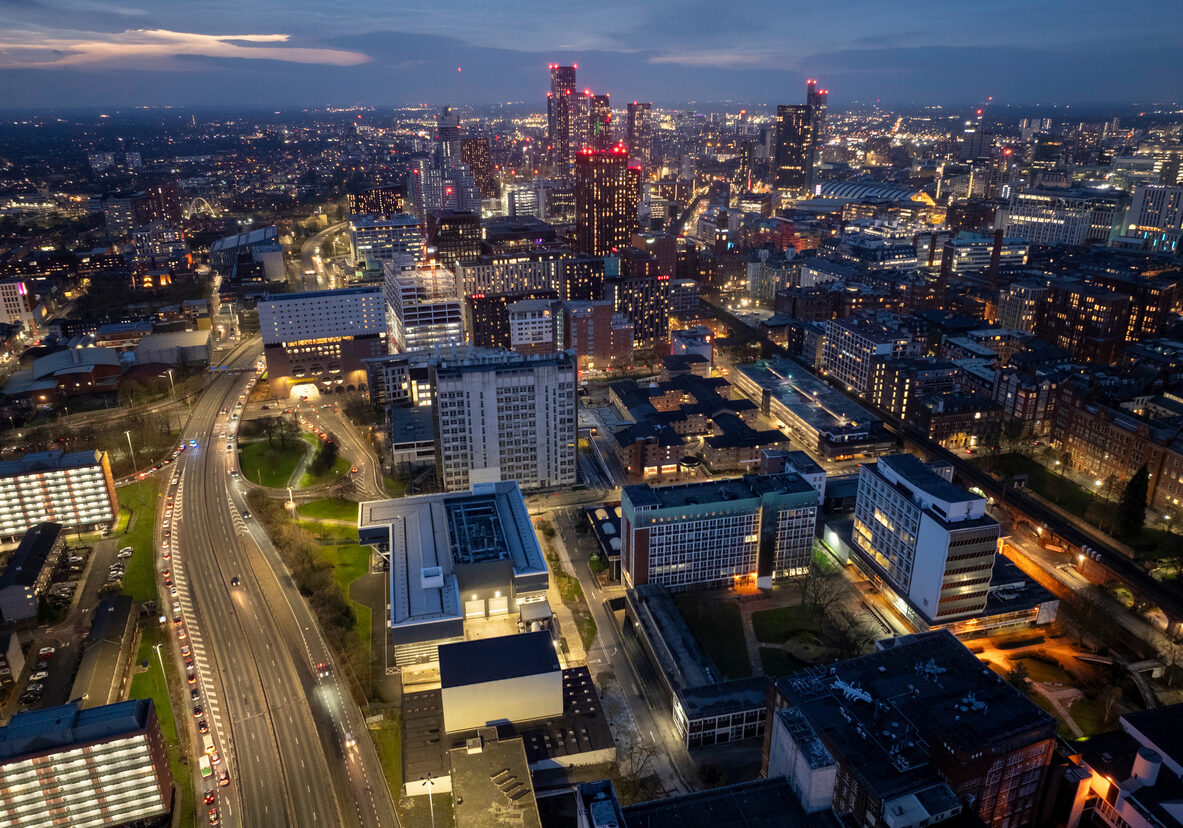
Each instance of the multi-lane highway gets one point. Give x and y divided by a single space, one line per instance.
293 742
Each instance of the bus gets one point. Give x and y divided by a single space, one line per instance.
206 770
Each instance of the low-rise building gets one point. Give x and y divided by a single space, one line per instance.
28 571
74 490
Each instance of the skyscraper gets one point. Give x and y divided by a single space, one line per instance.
447 132
600 123
558 112
639 136
475 153
816 99
792 168
605 201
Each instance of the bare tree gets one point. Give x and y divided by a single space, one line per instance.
822 589
634 777
1172 658
1108 700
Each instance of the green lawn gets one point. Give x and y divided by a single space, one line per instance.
1087 715
1048 673
350 562
270 465
139 500
1056 488
340 467
326 532
396 486
717 624
776 626
329 509
777 662
152 684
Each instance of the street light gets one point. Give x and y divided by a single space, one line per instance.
428 781
172 389
134 465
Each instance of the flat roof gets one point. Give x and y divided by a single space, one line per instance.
761 803
724 698
817 404
491 785
24 565
41 461
323 294
921 476
496 659
56 728
748 487
445 531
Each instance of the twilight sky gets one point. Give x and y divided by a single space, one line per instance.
282 53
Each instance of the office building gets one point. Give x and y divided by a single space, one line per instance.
516 272
926 542
639 132
447 135
317 340
454 558
510 677
606 197
1156 217
535 326
453 236
379 201
601 338
792 163
486 315
106 767
816 417
123 212
75 490
18 306
970 253
1066 216
28 571
854 344
422 307
511 419
425 187
719 533
913 734
559 112
378 238
474 152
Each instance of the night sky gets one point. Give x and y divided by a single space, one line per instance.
283 53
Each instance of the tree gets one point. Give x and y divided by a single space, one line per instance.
1108 700
1012 436
1132 514
1017 678
633 778
822 589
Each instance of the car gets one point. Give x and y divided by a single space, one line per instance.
215 758
191 678
128 553
202 726
172 591
42 664
350 742
224 778
234 581
194 694
246 515
192 444
46 652
30 698
189 662
210 797
127 550
324 669
234 473
166 555
35 687
185 650
198 712
213 816
354 470
39 675
167 573
181 634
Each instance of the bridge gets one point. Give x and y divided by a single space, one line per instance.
198 204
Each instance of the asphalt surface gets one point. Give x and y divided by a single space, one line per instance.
280 729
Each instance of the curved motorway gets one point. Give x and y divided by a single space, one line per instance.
281 729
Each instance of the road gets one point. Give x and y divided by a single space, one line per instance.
281 729
310 256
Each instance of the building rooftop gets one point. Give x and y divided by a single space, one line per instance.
491 784
762 803
748 487
24 565
581 729
253 237
819 405
57 728
429 536
682 660
495 659
1113 755
359 290
921 476
43 461
884 712
724 698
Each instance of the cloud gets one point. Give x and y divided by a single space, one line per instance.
721 58
39 50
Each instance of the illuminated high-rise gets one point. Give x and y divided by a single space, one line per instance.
792 167
447 133
600 122
559 106
816 100
639 136
475 153
605 201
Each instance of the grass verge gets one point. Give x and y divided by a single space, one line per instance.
777 662
775 626
139 499
387 738
152 684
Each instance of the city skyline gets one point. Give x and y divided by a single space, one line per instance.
207 54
